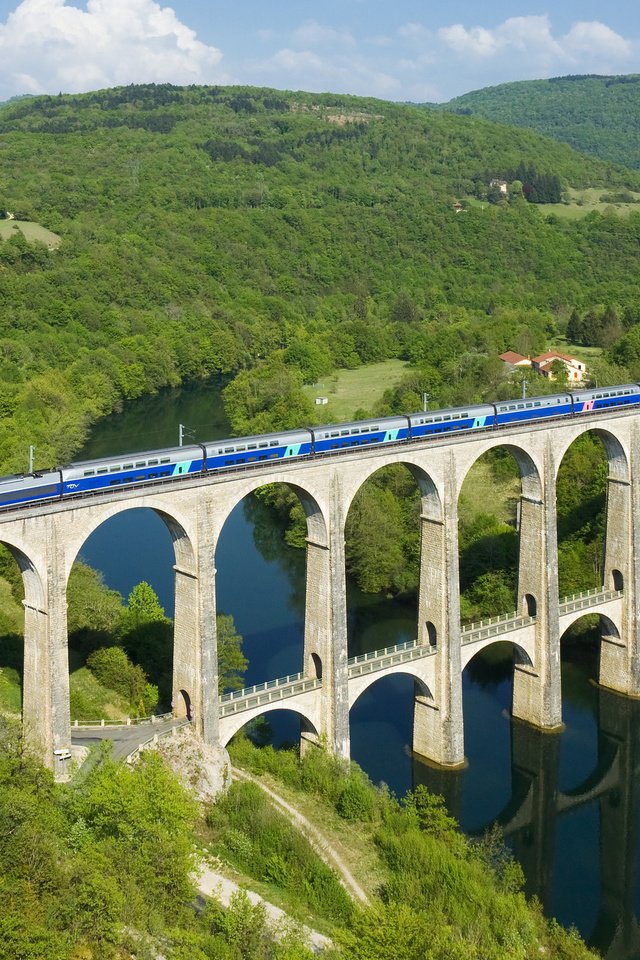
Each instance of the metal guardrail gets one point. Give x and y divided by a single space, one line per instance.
588 598
129 722
171 732
272 693
259 687
494 627
388 657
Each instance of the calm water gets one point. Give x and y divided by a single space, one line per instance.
568 804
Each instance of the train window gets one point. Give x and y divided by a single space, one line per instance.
88 473
262 445
344 433
140 477
115 469
241 449
512 406
153 463
152 476
262 456
228 463
128 466
228 449
114 483
165 473
334 433
252 446
536 403
102 470
273 456
273 443
252 459
141 463
164 460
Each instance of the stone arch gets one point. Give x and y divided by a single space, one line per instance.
188 577
183 707
34 597
613 447
530 471
36 663
430 496
176 525
315 666
317 526
529 605
521 656
617 579
432 634
231 725
503 564
423 685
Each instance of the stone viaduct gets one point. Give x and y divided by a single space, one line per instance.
45 540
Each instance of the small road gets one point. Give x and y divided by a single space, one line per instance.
125 739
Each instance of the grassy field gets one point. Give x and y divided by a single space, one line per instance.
348 391
32 231
581 202
482 494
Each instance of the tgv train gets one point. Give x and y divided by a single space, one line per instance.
160 466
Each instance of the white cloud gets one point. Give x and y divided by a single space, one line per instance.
110 43
596 39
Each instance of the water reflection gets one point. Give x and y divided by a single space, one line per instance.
571 809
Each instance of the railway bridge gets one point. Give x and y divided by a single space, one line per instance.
46 539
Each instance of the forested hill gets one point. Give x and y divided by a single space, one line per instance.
211 229
594 114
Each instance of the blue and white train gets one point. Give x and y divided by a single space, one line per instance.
161 466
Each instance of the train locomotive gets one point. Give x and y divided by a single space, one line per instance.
162 466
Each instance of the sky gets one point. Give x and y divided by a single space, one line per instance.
417 50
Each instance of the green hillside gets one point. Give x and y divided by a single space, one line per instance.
593 114
210 229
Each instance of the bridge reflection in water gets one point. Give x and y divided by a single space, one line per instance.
604 807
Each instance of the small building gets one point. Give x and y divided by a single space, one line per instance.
515 359
576 369
502 185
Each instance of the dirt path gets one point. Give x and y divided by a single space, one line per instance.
316 839
213 884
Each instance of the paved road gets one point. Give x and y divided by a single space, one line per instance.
125 739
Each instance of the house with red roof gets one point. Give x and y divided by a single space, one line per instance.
575 369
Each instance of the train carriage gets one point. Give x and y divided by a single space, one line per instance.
23 488
584 401
221 454
111 472
445 421
339 436
533 408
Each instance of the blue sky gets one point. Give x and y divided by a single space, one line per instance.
402 50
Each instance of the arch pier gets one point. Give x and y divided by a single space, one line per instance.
46 539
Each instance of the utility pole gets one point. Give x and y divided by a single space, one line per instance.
183 431
425 401
524 389
31 448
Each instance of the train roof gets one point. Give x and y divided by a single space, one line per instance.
474 408
182 453
301 434
400 419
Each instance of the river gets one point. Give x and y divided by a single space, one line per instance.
568 803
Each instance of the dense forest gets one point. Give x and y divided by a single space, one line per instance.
593 114
236 229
